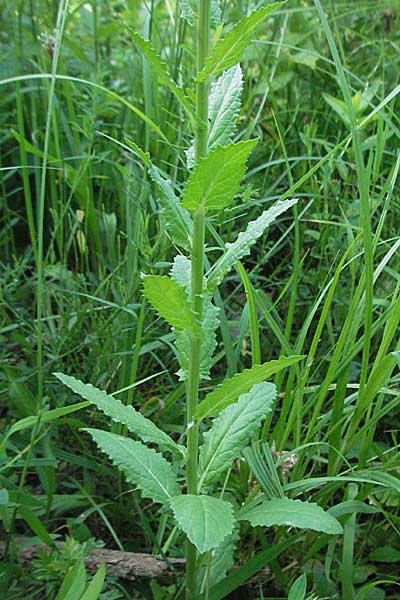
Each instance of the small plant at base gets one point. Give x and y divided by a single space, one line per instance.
185 300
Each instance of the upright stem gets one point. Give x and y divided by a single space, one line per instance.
197 260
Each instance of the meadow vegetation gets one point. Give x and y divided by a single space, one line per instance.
232 287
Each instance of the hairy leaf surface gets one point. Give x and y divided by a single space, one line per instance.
161 69
231 431
205 520
224 107
190 11
178 221
216 179
181 273
142 466
127 415
170 301
245 240
294 513
229 391
228 51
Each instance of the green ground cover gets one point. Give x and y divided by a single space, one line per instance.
84 108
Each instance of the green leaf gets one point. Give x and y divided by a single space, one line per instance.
231 431
222 560
142 466
127 415
298 589
170 301
306 57
228 51
385 554
94 588
161 69
229 391
177 219
245 240
47 417
181 273
36 525
190 12
74 583
263 466
205 520
339 107
216 179
4 498
224 106
293 513
242 574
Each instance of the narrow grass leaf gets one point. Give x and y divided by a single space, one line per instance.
231 431
74 583
239 576
245 240
228 51
142 466
36 525
94 588
222 560
162 70
47 417
205 520
120 413
170 301
229 391
216 179
293 513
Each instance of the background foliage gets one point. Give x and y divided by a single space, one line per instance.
75 243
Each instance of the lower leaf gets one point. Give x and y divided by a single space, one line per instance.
294 513
205 520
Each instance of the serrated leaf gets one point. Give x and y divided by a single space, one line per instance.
162 70
127 415
181 273
224 107
177 219
142 466
293 513
189 12
231 431
216 179
228 51
245 240
229 391
205 520
170 301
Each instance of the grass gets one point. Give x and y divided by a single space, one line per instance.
81 220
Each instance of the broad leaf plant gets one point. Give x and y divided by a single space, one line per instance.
221 424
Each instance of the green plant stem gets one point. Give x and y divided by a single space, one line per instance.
197 260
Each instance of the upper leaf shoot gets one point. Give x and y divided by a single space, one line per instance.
216 179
